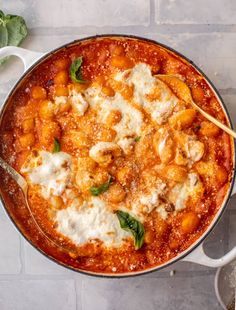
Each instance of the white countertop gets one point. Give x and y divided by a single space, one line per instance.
205 32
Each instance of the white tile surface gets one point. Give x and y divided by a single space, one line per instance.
10 247
214 53
60 13
230 101
173 293
196 12
41 43
36 263
37 295
232 229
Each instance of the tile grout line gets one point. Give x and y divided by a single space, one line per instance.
226 234
76 300
152 12
153 27
158 274
81 294
22 255
227 91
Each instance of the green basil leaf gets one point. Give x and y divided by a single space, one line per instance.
137 138
17 30
129 223
13 30
56 146
1 15
75 70
3 41
96 191
3 36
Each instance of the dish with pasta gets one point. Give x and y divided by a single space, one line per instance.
121 169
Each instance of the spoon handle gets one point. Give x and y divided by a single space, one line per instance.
214 120
24 186
15 175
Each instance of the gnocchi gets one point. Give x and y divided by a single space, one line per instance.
104 152
209 129
182 119
175 173
27 140
189 222
164 146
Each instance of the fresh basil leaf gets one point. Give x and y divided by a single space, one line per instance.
1 17
129 223
13 30
96 191
75 70
56 146
3 40
17 30
3 36
137 138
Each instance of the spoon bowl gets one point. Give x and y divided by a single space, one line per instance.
182 91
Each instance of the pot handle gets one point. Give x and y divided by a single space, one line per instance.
28 57
198 255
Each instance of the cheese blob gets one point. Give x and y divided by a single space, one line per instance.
51 171
90 221
180 193
78 102
152 94
130 124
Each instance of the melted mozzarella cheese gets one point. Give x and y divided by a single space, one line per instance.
162 212
141 77
181 192
94 96
148 202
78 102
60 100
131 121
126 144
51 171
91 221
120 76
131 118
193 148
99 151
144 84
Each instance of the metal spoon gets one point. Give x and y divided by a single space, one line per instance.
181 89
24 187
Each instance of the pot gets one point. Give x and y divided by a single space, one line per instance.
195 253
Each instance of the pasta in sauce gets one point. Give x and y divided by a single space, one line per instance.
121 169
